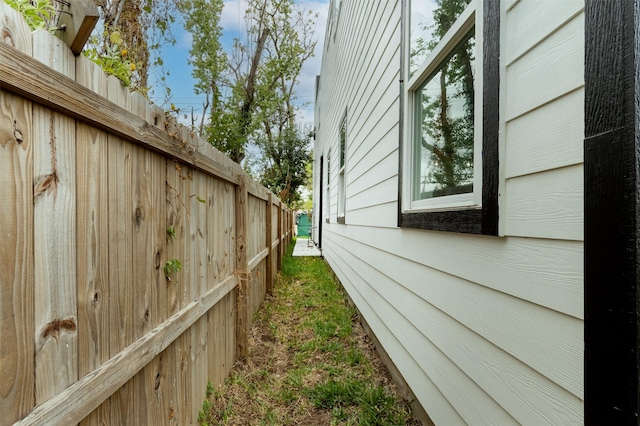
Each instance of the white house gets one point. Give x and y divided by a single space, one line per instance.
476 183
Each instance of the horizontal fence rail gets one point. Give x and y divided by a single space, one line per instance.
134 255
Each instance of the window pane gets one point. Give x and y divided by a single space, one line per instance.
443 159
430 20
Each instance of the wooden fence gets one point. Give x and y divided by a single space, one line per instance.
101 195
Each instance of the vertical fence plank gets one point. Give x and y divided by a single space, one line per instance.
176 211
156 380
92 240
226 247
199 347
54 186
242 299
162 389
217 235
17 348
199 336
274 236
145 225
180 178
230 318
182 404
229 326
159 201
251 243
121 214
269 239
212 232
145 246
187 286
280 238
216 344
186 283
160 371
213 344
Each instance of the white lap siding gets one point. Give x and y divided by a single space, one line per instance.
485 330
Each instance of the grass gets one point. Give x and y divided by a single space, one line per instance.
309 362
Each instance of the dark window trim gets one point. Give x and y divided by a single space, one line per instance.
611 206
485 219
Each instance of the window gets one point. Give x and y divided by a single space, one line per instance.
328 198
342 189
449 149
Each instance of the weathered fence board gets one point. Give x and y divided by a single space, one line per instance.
100 193
17 350
92 240
54 189
242 294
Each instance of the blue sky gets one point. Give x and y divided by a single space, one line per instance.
180 80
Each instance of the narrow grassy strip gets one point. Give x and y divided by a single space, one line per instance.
309 362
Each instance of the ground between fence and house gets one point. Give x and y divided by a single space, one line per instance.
310 361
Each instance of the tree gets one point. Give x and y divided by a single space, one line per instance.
38 14
143 27
284 166
251 89
209 61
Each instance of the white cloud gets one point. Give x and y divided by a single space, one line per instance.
186 40
232 18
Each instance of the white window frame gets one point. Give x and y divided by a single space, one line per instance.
470 17
342 178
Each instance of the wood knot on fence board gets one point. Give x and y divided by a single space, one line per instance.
55 327
17 134
45 184
7 37
139 215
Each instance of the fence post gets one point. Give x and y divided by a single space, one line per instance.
269 239
79 23
242 267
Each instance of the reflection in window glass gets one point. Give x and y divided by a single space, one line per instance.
444 127
342 190
343 140
429 22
